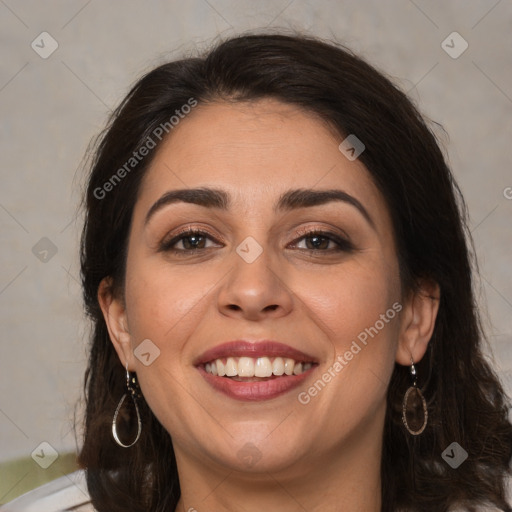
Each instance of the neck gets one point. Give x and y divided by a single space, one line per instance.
346 478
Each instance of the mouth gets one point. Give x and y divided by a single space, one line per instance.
255 371
243 368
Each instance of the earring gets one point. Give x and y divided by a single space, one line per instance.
131 385
415 396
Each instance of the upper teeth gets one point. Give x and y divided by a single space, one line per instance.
255 367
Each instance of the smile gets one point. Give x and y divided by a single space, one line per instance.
254 371
247 367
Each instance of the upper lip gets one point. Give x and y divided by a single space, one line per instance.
242 348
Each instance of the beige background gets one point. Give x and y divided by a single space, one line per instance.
50 108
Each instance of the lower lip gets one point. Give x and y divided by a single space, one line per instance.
255 391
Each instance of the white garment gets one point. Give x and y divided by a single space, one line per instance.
64 494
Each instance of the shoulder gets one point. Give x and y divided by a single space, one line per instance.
66 493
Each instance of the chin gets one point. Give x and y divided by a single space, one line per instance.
260 448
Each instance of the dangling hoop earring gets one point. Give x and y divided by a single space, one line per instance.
414 390
131 385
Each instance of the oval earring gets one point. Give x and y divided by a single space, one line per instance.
132 391
415 396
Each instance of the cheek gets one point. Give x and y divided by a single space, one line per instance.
166 308
360 318
356 308
161 304
349 299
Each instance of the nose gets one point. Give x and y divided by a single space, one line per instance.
255 291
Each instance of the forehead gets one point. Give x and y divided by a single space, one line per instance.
255 151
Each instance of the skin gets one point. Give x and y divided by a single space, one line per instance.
315 301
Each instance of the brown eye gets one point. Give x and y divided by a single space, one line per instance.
188 241
323 241
317 242
193 242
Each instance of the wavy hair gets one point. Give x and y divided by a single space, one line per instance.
466 402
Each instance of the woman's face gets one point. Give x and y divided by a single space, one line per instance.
276 272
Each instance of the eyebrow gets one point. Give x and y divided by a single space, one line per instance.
290 200
208 197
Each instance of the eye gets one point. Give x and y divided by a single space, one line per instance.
322 241
188 241
194 240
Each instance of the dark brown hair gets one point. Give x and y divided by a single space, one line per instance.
466 402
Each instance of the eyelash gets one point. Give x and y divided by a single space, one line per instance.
166 246
343 244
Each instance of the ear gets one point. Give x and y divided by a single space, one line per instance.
417 322
114 313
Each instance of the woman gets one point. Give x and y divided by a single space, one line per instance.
275 262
